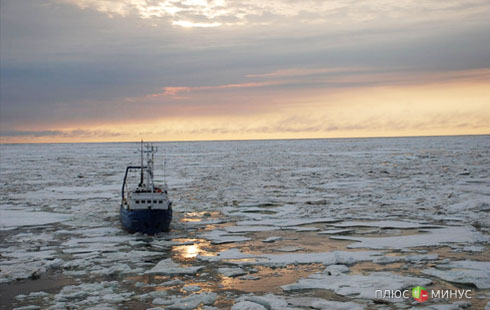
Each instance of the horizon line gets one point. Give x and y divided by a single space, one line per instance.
241 140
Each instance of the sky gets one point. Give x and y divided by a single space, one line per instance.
103 70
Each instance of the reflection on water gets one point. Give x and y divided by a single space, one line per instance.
266 279
202 214
195 220
190 251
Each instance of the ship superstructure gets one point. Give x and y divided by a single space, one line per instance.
147 207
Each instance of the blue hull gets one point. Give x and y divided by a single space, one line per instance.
146 221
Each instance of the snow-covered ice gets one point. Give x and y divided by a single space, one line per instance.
232 272
464 272
235 256
336 269
188 303
289 249
335 231
385 224
243 229
169 267
192 288
458 305
278 222
429 237
219 236
11 219
268 301
358 286
277 302
322 304
272 239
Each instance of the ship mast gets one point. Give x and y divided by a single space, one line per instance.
141 178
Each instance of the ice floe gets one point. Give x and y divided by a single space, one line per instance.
247 305
11 219
289 249
335 231
235 256
322 304
219 236
464 272
430 237
90 294
336 269
232 272
458 305
188 302
272 239
118 268
281 222
169 267
172 283
478 204
385 224
192 288
249 277
357 286
30 307
300 228
243 229
277 302
268 301
421 257
27 264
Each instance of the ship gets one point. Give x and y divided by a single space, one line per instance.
145 208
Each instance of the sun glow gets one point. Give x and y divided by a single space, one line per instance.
189 24
435 109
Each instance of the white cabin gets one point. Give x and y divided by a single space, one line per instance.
146 196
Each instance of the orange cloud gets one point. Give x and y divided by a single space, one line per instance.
176 90
344 75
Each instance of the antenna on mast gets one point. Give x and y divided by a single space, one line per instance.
165 169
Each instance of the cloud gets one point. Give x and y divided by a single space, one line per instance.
78 133
208 13
174 91
307 11
31 133
329 77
